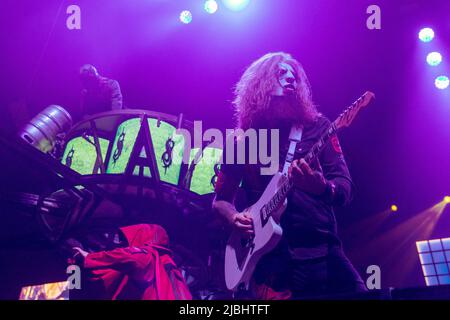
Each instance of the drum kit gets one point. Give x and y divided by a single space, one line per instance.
124 167
134 160
141 148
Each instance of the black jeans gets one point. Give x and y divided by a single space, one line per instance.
321 277
326 276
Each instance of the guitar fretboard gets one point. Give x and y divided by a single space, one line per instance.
284 189
318 147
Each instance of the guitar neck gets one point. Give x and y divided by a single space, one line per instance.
344 120
284 189
319 145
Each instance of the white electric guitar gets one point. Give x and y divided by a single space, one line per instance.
242 254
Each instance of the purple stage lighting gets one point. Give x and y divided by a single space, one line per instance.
442 82
211 6
434 59
426 34
186 16
236 5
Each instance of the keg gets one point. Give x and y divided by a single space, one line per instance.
43 130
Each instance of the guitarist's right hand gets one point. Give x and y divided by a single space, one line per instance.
240 221
243 222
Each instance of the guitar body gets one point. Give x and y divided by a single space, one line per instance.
241 254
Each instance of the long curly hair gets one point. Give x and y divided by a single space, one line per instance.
253 92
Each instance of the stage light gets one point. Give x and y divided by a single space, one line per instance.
434 257
426 35
48 291
236 5
434 59
186 16
447 199
394 208
211 6
442 82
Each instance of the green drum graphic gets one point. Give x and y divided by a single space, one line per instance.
144 146
204 174
81 156
124 142
168 149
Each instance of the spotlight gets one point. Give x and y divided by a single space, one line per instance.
442 82
434 59
394 208
186 16
426 34
236 5
447 199
211 6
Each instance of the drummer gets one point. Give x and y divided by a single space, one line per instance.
99 93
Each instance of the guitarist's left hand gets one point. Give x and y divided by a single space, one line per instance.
306 179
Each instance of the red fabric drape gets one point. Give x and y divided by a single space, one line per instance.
143 270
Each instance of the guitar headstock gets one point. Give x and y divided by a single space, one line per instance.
346 118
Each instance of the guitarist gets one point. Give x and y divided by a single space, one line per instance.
274 93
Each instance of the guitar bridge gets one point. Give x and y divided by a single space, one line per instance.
248 243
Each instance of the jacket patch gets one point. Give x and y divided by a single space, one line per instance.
335 143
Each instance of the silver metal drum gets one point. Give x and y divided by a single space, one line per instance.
42 131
